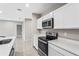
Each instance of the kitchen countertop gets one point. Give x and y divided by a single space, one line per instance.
5 48
67 44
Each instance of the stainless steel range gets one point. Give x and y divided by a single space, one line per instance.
43 43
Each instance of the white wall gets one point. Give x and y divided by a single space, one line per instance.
65 33
34 23
27 29
7 28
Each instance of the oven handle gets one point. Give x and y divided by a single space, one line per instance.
43 41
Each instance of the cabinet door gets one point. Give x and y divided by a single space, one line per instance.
52 51
71 16
39 23
35 41
58 20
50 15
67 16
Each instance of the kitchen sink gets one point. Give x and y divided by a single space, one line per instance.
5 41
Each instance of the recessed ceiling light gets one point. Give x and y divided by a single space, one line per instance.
27 5
0 12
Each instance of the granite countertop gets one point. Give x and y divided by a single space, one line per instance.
67 44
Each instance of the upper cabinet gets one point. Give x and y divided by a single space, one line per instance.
67 17
50 15
39 23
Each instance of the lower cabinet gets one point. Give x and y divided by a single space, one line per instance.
35 41
56 51
52 51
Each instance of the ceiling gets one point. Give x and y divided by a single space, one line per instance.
10 12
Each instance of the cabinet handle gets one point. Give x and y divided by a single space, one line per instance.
42 41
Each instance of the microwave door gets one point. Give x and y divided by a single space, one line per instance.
50 24
44 24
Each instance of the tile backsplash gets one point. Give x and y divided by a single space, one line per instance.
66 33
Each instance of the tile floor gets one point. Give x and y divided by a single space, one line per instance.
24 48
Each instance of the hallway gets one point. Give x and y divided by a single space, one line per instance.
24 48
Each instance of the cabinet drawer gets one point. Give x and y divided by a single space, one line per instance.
53 52
61 51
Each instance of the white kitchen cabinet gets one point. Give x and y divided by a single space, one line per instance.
67 17
52 51
35 41
47 16
56 51
39 23
58 21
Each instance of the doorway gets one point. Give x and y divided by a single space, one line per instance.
19 31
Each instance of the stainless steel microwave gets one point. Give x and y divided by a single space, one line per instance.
48 23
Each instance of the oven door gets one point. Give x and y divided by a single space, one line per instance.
42 48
